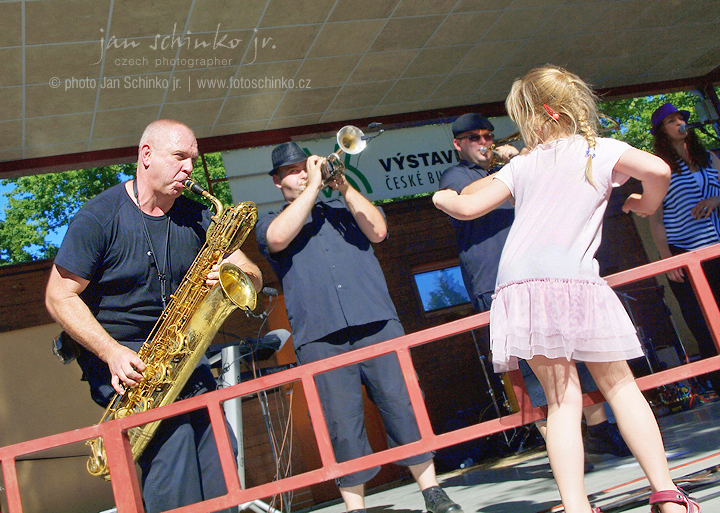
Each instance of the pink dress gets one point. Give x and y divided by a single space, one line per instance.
550 299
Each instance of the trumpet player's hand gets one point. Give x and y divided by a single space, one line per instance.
339 184
314 172
507 151
126 368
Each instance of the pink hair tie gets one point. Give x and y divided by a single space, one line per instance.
551 112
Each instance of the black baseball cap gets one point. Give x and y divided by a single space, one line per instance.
471 121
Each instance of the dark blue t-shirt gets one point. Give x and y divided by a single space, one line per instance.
480 241
330 276
105 244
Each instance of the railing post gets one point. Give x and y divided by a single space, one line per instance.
126 488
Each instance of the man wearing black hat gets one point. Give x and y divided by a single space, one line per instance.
337 300
480 243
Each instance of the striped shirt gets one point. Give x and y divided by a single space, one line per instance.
687 188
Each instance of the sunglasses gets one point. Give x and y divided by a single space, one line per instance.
477 137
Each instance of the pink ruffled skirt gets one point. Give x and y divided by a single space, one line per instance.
559 318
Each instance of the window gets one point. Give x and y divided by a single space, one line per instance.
441 288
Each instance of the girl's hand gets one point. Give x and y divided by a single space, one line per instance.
705 207
634 203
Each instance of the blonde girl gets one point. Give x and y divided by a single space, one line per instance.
551 306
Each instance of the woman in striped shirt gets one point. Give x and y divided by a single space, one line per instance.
689 217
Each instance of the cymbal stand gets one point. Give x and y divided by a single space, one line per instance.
491 390
646 344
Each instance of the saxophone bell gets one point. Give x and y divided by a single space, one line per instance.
237 286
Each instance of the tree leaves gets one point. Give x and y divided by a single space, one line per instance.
40 205
633 115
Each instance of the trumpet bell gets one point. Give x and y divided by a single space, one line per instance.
350 139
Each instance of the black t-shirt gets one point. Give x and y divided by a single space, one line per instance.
106 245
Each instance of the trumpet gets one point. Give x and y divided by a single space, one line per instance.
351 140
497 159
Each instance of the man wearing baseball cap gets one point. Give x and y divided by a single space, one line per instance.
479 241
337 300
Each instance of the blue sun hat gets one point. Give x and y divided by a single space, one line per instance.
664 111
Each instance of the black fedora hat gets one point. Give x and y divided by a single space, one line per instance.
286 154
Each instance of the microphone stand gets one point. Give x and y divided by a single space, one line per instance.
233 412
231 357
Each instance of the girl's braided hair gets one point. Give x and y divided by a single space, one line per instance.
550 103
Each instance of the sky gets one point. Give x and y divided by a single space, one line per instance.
3 199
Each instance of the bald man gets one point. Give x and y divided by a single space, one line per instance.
123 255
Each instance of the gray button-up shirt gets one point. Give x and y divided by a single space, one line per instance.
330 276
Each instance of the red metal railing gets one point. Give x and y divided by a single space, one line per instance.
125 485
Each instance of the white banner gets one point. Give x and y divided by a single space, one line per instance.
400 162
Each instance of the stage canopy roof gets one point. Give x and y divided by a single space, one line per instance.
81 79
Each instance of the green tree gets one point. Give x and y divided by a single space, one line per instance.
216 170
40 205
633 115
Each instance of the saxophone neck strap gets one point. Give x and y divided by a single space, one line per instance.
165 271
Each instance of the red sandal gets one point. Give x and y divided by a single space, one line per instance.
677 496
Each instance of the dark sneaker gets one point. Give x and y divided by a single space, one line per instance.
605 438
437 501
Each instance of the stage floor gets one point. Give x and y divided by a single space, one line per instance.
524 484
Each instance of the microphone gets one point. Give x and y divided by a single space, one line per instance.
684 128
269 291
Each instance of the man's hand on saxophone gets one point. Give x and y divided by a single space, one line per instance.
125 368
244 263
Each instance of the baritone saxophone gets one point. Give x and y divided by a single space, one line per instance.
186 326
